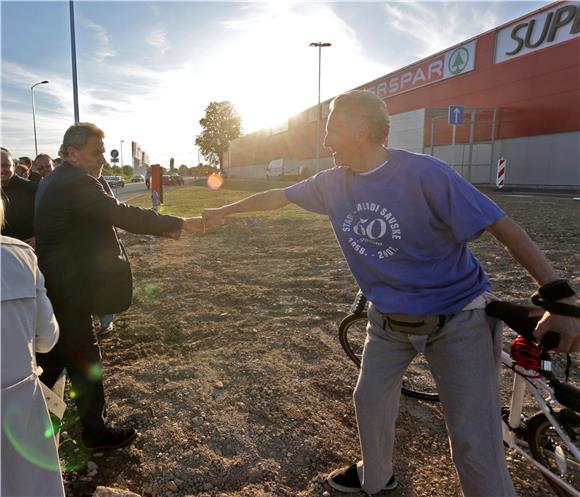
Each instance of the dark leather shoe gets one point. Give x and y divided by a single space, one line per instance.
114 438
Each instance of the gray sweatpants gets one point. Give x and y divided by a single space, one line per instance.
464 357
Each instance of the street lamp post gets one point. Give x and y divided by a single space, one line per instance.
122 141
73 52
320 45
34 116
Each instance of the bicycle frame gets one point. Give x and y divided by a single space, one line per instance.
530 381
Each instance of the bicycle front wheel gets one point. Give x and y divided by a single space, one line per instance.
417 379
352 334
551 451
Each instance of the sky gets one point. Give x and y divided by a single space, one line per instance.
148 70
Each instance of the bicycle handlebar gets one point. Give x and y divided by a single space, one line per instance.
556 307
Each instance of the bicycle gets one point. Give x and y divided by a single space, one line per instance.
417 380
548 438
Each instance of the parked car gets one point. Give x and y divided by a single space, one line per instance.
172 179
177 179
115 181
283 169
138 178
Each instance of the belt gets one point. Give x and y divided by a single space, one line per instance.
414 325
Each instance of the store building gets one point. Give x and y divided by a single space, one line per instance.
515 88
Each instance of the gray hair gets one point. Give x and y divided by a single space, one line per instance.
78 135
366 106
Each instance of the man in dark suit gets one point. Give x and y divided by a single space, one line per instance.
18 195
87 271
28 173
44 165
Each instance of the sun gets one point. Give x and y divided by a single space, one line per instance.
259 112
272 82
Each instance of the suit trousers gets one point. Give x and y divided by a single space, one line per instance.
464 357
78 351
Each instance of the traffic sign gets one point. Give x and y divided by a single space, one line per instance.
455 115
114 153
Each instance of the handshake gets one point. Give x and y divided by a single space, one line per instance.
199 224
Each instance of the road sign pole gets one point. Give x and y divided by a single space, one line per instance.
471 138
501 168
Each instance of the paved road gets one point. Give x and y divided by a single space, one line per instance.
129 191
132 190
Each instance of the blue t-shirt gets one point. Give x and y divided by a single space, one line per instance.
403 229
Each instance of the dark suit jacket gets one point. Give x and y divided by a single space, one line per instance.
78 251
34 177
18 196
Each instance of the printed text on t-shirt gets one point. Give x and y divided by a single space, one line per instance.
368 226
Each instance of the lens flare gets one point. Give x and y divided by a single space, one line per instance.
95 372
49 431
150 289
215 181
72 394
26 436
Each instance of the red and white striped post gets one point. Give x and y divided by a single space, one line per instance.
501 167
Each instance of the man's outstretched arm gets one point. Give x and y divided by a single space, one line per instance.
263 201
527 253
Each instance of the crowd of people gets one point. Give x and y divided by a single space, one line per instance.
403 222
69 218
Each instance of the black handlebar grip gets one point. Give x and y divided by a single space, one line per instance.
550 340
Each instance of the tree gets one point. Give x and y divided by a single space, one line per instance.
221 125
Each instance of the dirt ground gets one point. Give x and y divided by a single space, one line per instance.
229 364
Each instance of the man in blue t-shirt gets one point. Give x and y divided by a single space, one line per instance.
403 221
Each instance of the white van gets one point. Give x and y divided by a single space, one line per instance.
283 168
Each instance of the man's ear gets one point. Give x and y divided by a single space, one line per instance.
363 133
71 153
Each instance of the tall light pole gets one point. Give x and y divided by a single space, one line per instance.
73 51
320 45
34 116
122 141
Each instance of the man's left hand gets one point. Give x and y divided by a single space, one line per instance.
566 326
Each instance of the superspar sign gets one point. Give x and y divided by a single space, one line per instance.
458 60
553 26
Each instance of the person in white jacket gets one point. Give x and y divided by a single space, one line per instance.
30 464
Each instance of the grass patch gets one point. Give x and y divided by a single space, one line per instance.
191 199
72 453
